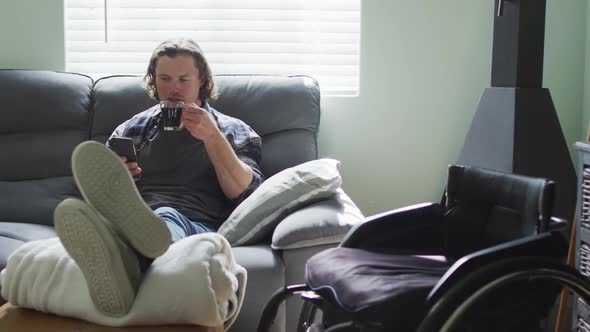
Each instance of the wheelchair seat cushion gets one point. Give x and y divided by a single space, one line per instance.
370 283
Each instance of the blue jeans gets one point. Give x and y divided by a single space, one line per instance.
179 225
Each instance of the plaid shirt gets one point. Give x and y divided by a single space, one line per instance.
245 142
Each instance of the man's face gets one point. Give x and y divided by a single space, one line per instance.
178 79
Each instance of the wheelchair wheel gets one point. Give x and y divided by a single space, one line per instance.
450 311
306 316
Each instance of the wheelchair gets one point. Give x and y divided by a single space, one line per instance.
489 257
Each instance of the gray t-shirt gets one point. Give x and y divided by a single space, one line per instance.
176 172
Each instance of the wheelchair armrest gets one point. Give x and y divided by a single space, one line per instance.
414 228
556 224
539 245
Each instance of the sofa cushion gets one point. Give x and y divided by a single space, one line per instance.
13 235
283 110
33 201
26 232
8 246
117 99
320 223
44 116
257 216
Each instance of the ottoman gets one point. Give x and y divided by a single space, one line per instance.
16 319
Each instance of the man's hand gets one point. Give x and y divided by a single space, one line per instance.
133 167
233 175
198 122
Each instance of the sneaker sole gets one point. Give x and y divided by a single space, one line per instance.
106 184
89 243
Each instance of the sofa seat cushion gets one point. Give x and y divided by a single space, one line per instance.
33 201
26 232
13 235
8 246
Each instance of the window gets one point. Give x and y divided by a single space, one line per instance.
320 38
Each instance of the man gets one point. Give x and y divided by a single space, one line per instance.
188 183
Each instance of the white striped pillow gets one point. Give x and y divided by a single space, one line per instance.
257 216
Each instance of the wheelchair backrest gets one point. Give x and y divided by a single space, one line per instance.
484 208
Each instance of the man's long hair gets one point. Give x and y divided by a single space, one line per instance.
173 48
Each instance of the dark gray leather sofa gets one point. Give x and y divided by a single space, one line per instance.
44 115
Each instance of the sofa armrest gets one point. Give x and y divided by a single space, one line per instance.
320 223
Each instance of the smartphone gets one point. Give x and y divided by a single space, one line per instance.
123 146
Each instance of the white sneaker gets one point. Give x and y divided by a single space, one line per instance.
106 184
110 267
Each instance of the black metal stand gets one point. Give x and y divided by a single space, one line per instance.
515 128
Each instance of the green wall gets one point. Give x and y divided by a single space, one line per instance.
565 36
586 116
32 34
423 65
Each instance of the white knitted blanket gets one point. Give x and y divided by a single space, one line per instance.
197 281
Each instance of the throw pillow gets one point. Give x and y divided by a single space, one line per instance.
257 216
324 222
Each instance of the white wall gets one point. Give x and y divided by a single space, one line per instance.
424 65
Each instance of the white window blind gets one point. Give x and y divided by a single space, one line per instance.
320 38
